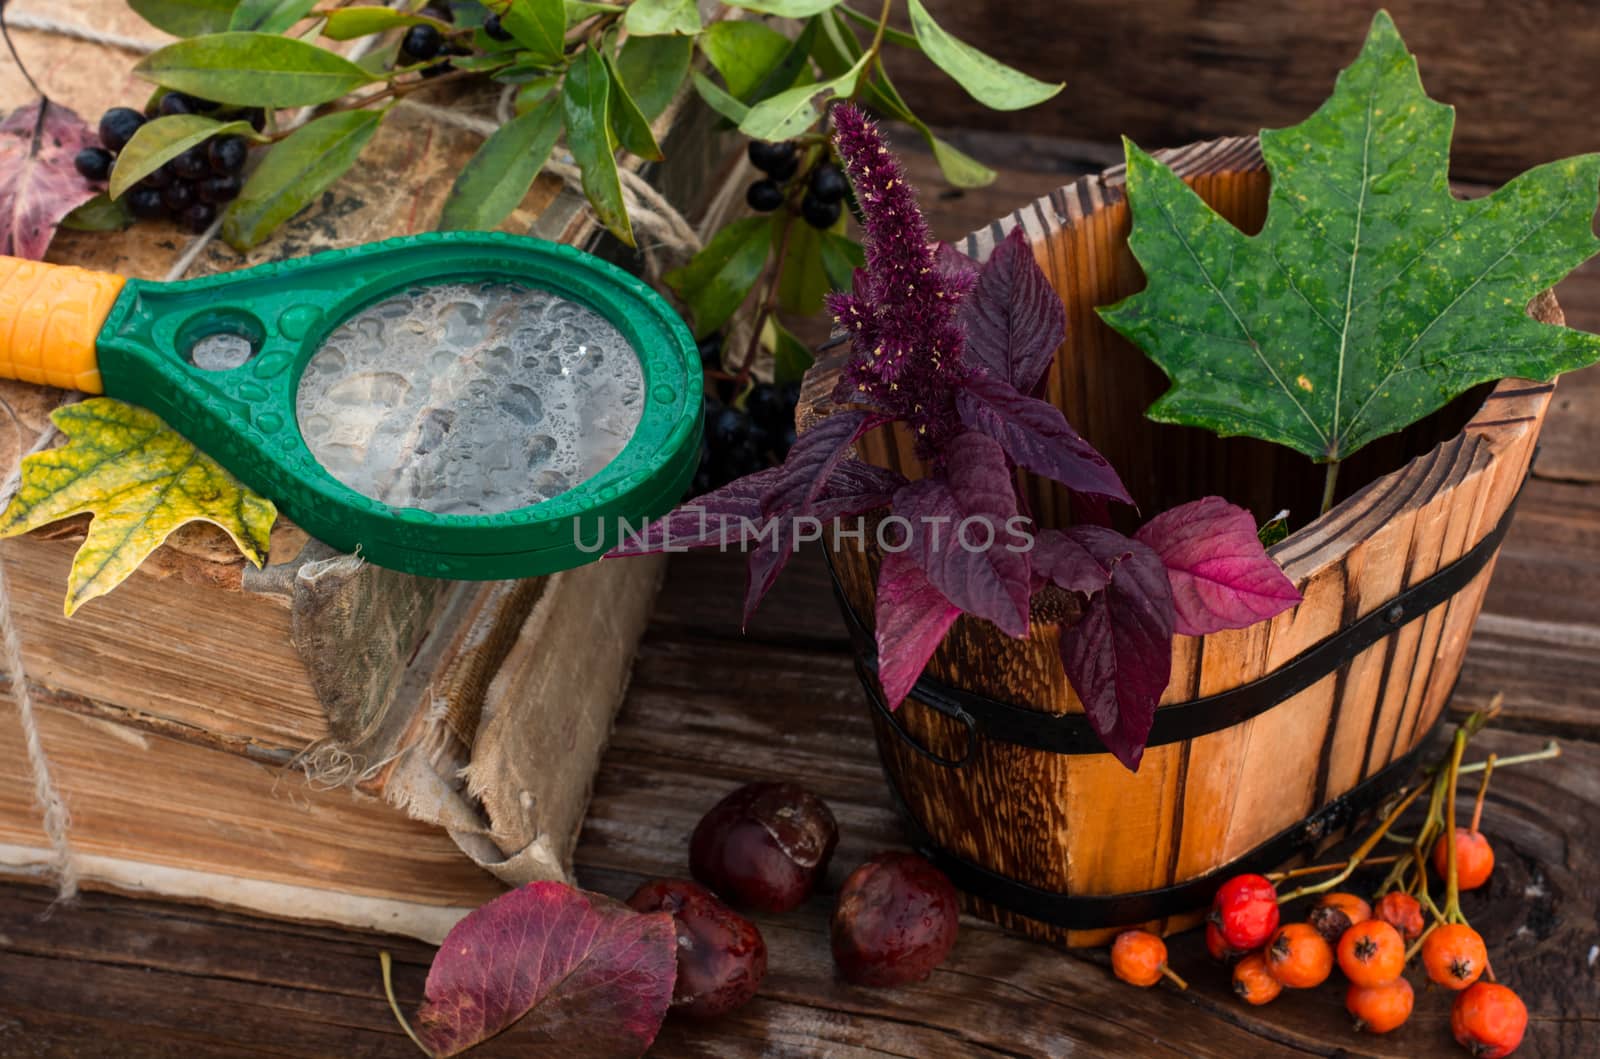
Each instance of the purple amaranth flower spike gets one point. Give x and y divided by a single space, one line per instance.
901 317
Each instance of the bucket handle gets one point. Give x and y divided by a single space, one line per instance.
949 709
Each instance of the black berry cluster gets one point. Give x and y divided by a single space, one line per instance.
188 189
825 184
742 440
425 42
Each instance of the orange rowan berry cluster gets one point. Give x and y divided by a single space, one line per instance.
1370 943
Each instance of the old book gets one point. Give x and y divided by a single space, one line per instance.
320 739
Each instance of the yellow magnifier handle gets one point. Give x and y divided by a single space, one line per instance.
50 319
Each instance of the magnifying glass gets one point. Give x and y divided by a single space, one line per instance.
468 405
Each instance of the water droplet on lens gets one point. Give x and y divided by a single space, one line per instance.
470 399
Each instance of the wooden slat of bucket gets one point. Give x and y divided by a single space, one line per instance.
1083 824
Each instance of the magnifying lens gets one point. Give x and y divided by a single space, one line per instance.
467 405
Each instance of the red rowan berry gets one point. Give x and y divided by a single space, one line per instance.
1402 912
1253 983
1380 1008
1489 1020
1336 913
1454 955
1372 953
1246 911
1474 858
1299 957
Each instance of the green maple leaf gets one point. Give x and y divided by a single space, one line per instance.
1372 296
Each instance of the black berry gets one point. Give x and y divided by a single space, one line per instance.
711 351
193 164
422 42
218 189
158 179
197 217
817 213
729 427
256 116
777 160
146 203
828 183
704 479
227 154
176 196
117 127
437 70
494 29
741 458
93 162
764 195
765 403
176 103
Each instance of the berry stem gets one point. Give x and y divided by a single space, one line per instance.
1483 789
5 31
768 302
1176 980
1416 946
1452 890
1318 869
1361 852
386 964
877 34
1552 749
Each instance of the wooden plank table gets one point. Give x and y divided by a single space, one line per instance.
711 708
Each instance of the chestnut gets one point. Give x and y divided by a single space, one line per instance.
765 846
895 921
721 955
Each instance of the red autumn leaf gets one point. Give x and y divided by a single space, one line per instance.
960 531
38 183
1118 656
912 618
1014 319
584 974
1062 559
1221 576
852 487
1036 436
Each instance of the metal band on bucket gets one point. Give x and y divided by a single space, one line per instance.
1070 733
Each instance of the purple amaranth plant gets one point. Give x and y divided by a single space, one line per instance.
959 353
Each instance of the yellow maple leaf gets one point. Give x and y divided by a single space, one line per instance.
141 480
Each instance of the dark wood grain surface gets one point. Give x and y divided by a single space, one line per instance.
1165 72
711 707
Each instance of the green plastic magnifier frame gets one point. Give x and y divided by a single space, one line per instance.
131 339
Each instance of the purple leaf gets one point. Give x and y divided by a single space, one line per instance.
1035 435
586 975
767 560
1061 559
1118 656
39 185
959 269
912 617
1221 576
952 516
722 517
812 459
853 487
1013 319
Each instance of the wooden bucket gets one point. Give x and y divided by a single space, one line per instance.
1269 739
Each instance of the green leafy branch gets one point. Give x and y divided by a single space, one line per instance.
589 77
774 88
